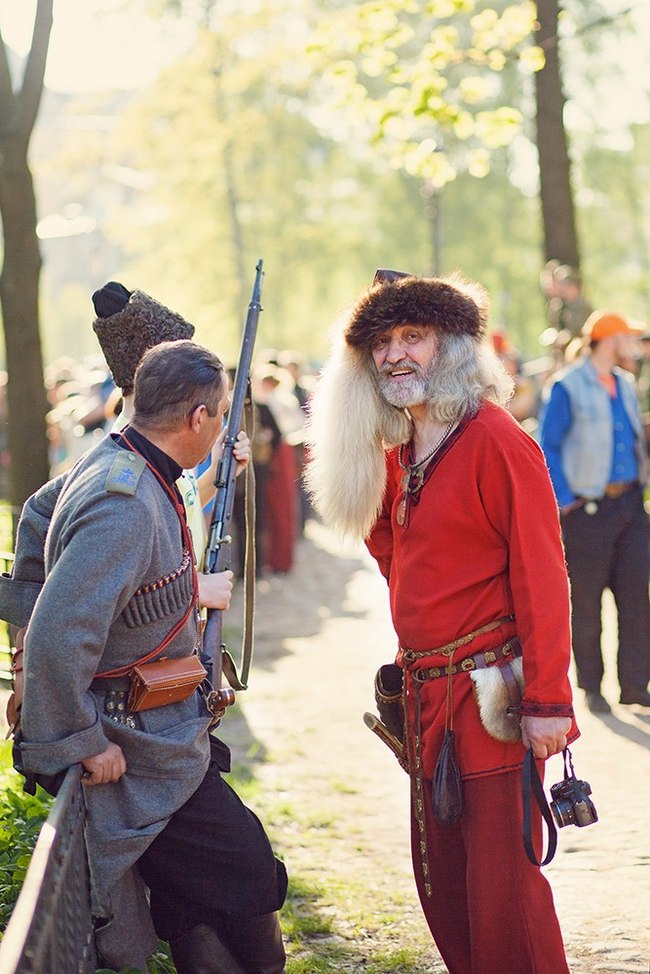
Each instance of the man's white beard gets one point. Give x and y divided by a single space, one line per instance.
413 390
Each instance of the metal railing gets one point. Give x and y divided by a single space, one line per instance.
50 930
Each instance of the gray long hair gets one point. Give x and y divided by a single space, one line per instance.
351 424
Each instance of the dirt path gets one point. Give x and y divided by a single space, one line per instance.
336 800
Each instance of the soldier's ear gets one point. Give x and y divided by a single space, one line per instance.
196 416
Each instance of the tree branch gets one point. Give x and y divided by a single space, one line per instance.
29 97
6 93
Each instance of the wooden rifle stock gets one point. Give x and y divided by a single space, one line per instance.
215 657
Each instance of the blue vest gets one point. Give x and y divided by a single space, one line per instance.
587 447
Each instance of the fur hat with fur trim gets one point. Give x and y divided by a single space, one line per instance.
130 322
451 304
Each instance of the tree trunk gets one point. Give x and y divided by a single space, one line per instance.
19 283
19 280
558 215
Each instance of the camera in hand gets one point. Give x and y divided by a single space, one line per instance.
570 802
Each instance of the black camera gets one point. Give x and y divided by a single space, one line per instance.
570 803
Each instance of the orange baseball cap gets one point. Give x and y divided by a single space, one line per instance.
602 324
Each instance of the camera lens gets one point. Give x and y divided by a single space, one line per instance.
562 812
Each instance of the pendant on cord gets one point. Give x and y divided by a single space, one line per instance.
413 476
402 510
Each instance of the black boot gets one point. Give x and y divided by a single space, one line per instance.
200 951
257 943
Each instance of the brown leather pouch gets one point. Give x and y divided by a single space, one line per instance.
389 682
163 682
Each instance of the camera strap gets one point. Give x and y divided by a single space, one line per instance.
531 784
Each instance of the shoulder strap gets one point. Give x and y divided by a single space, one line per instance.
178 507
125 473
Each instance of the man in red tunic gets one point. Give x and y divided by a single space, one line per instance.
413 451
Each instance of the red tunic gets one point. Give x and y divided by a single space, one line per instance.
482 542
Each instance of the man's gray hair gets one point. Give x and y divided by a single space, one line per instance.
466 372
351 423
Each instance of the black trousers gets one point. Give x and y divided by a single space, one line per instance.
212 862
610 549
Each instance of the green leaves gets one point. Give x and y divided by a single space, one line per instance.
425 75
21 817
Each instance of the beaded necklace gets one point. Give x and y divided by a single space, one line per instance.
413 476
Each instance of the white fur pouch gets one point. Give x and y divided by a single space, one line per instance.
494 699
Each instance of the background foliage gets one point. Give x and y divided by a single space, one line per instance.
331 138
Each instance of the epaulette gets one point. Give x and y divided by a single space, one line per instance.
125 473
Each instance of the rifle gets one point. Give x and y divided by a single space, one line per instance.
215 657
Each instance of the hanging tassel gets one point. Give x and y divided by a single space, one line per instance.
447 787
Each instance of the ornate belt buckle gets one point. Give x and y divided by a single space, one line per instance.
468 664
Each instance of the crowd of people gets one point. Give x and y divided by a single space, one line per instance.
418 444
587 404
85 403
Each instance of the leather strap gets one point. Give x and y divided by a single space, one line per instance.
620 487
187 538
239 680
530 782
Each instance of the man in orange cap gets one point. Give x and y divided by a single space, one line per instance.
593 439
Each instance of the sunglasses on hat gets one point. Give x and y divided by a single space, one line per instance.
385 276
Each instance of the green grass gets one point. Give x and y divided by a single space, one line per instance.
316 946
330 926
21 818
6 530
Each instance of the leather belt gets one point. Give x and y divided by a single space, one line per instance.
490 657
619 487
106 683
412 655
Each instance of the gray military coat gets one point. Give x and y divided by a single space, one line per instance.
118 578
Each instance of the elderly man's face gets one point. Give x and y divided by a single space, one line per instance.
405 357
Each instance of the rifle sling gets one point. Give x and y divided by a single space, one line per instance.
239 681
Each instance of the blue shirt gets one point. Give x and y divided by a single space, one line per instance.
556 424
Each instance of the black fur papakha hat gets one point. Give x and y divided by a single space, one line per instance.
127 324
451 304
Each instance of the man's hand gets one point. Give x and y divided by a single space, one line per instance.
573 506
215 590
241 451
106 767
15 700
546 735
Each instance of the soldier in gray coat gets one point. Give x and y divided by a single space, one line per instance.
119 581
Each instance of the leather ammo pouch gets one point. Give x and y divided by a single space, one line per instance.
164 681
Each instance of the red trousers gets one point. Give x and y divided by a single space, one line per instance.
491 911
